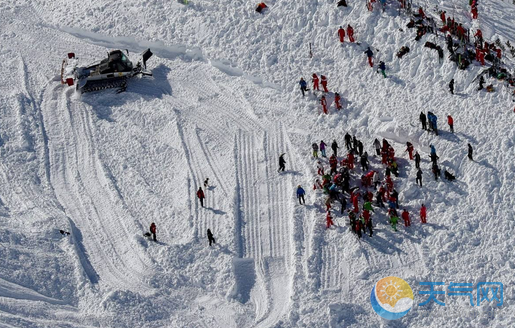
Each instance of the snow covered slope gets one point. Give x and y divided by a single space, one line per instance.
223 104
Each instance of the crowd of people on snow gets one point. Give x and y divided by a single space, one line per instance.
359 190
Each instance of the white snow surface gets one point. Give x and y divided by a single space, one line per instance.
224 102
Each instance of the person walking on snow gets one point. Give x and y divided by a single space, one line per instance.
281 163
334 147
451 86
315 149
153 231
409 149
300 195
323 102
405 217
341 34
348 140
470 151
350 33
423 214
450 121
315 82
337 101
369 54
419 177
324 83
393 222
201 196
210 237
303 86
322 147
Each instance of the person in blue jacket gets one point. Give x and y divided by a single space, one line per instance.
369 54
303 86
433 149
300 195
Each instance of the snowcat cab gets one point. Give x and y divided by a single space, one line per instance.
111 72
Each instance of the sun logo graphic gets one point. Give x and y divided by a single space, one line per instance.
391 298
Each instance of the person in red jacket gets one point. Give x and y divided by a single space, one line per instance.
323 102
479 36
201 196
423 214
450 121
481 56
324 83
329 220
341 34
350 160
405 217
337 101
421 13
442 17
153 231
460 31
350 33
409 149
473 11
315 82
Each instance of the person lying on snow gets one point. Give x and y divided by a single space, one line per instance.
404 50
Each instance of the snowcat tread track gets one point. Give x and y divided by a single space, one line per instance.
105 84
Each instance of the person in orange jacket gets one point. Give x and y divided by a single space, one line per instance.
153 231
323 102
341 34
405 217
324 83
423 214
201 196
337 101
350 33
450 121
315 82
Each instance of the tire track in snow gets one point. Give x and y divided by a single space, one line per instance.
88 197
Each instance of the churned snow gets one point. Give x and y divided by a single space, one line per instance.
223 104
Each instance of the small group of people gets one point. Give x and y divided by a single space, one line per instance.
350 34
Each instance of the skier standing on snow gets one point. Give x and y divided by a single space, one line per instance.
201 196
281 163
337 101
300 195
470 151
377 146
409 149
419 176
360 148
423 214
324 83
348 140
382 68
210 237
369 54
322 147
334 147
451 86
423 119
405 217
323 102
315 149
341 34
450 121
350 33
303 86
417 160
315 82
364 162
153 231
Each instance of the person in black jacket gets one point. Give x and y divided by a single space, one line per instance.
210 237
451 86
417 160
470 151
334 147
419 176
423 119
281 163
